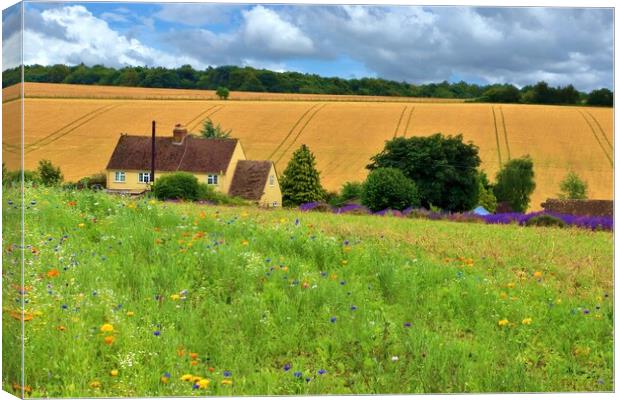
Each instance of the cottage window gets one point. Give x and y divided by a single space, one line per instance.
144 177
272 180
275 204
119 176
211 179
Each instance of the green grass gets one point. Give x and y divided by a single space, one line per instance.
263 287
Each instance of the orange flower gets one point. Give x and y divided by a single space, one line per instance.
194 363
193 356
52 273
211 369
180 352
108 340
538 274
61 328
71 203
305 285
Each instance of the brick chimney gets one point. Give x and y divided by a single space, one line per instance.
179 133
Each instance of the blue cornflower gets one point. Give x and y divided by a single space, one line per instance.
287 367
268 260
343 283
308 379
353 308
297 221
227 374
167 374
196 386
333 320
323 273
33 202
157 333
297 374
407 324
64 306
586 311
322 371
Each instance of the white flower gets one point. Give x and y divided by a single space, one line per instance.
394 358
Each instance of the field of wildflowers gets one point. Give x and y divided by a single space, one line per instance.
127 297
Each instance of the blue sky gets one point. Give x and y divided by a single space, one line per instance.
405 43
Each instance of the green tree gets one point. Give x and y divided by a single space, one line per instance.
209 130
301 181
48 173
389 188
502 94
573 187
222 93
601 97
444 168
486 198
515 183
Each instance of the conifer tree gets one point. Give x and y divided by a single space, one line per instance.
300 181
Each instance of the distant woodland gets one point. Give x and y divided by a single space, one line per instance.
261 80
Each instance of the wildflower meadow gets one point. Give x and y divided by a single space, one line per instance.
136 297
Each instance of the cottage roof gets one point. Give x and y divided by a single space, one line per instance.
194 154
250 179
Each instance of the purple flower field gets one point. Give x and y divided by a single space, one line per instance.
585 222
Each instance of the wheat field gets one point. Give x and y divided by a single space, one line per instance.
79 134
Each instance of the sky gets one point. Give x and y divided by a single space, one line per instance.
405 43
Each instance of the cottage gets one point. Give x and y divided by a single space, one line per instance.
220 163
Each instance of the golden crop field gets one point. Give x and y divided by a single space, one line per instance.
47 90
79 135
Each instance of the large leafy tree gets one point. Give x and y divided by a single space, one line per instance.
300 182
515 183
444 168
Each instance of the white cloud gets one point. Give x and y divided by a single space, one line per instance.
266 30
195 14
90 40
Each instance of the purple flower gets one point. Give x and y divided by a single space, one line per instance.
297 374
227 374
407 324
296 221
196 386
64 306
322 371
353 308
287 367
167 375
333 320
586 311
308 379
157 333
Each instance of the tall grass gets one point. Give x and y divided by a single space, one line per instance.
283 302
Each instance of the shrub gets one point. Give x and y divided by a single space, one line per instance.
207 193
350 192
389 188
573 188
95 181
209 130
49 174
14 177
545 220
515 183
177 186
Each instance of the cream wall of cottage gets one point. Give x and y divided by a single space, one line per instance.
132 184
226 180
271 193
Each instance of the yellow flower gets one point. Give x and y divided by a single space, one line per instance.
503 295
130 313
195 379
245 242
344 262
538 274
503 322
95 384
187 377
346 249
203 383
152 202
81 225
114 372
175 297
107 328
526 321
226 382
510 285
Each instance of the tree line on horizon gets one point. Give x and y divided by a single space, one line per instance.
262 80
